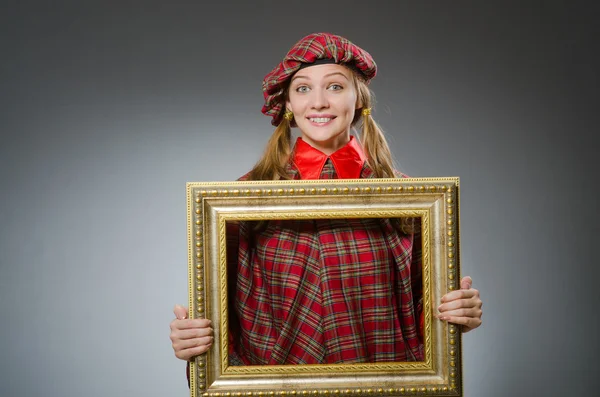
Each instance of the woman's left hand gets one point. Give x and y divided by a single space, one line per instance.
462 307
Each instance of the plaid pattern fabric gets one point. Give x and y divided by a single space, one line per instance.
324 291
308 50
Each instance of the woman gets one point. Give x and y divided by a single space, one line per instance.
325 291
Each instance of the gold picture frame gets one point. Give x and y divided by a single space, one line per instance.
434 200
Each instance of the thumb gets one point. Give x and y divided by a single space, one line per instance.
466 282
180 312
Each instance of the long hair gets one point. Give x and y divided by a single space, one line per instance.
272 164
372 139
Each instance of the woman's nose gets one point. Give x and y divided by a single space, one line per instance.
319 99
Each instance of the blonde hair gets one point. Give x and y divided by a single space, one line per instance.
272 164
372 139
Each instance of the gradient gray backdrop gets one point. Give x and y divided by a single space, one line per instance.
109 107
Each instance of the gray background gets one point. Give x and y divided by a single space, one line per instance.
108 108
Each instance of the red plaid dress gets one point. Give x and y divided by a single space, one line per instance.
327 290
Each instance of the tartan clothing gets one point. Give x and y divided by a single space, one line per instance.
327 290
307 51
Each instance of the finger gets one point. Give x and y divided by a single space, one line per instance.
466 282
180 312
191 323
185 344
457 304
471 312
460 294
468 323
191 333
188 354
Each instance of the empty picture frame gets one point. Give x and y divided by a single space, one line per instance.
434 205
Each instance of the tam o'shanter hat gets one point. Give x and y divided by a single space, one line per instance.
309 50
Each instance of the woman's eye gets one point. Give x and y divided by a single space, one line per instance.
335 87
302 88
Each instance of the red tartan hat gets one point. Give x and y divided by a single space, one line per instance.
307 51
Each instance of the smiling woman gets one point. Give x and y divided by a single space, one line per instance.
324 291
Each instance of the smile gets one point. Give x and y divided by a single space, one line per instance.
321 120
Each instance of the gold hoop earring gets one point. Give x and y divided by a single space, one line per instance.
288 115
366 112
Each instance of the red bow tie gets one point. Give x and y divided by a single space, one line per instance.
347 161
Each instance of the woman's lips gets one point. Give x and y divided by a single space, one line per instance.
321 120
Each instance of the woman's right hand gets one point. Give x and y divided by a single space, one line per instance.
190 337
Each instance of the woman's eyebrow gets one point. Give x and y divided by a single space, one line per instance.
336 73
299 77
327 75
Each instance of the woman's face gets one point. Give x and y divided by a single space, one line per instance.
323 99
